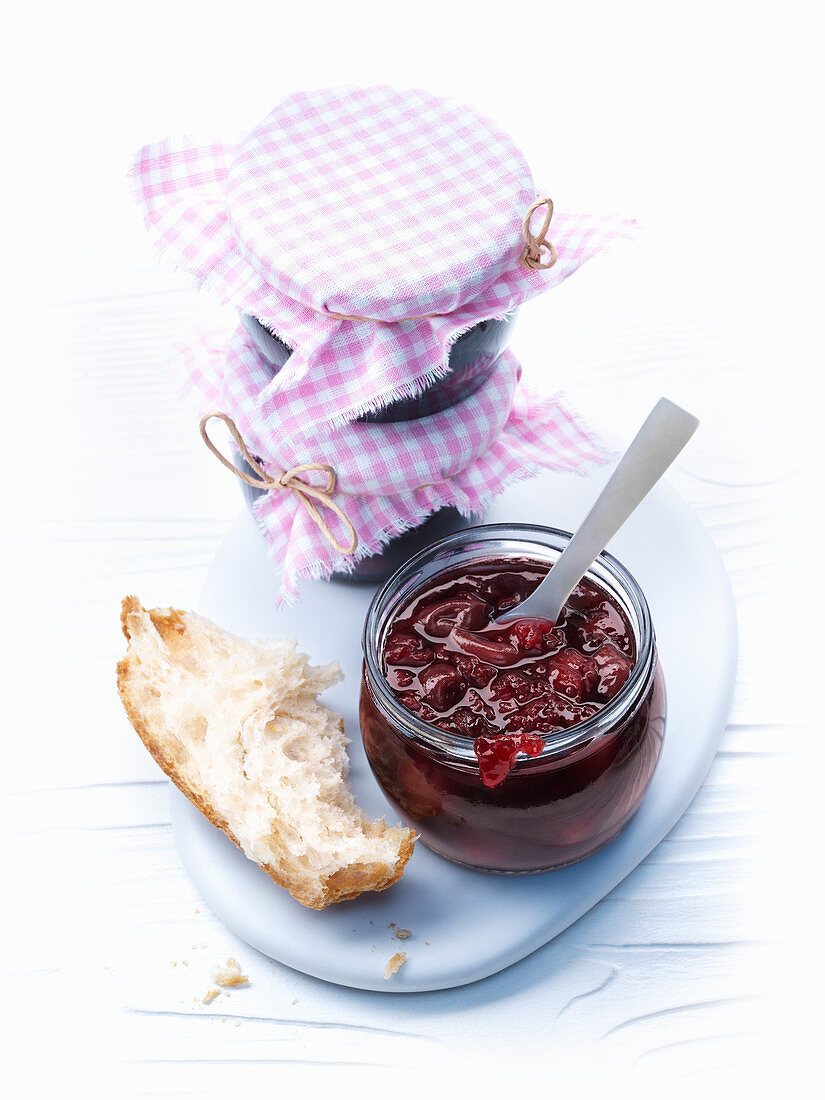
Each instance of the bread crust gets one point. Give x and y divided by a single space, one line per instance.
346 883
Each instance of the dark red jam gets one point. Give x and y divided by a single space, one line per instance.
499 777
503 686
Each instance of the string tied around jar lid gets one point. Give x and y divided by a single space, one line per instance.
537 243
310 497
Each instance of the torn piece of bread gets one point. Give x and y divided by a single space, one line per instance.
237 726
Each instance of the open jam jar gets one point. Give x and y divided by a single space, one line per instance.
513 748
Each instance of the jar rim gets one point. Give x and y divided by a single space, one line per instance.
401 586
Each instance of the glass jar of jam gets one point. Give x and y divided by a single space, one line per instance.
472 359
512 748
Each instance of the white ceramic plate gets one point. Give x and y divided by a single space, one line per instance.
467 924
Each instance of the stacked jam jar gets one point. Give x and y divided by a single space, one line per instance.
377 244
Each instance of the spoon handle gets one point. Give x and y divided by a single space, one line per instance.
657 443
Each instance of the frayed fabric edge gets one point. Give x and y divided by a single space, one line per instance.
415 515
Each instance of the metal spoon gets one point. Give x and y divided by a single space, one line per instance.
657 443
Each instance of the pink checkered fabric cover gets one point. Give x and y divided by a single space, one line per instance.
391 477
395 206
378 202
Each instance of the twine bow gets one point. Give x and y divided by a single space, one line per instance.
531 256
288 479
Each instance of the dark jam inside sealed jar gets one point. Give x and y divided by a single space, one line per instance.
512 748
452 665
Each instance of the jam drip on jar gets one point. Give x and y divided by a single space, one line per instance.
503 686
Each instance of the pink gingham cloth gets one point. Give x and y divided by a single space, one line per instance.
390 477
396 206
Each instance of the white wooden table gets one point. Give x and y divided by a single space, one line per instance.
694 974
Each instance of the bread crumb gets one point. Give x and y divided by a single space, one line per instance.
174 963
294 1001
402 933
185 962
211 995
229 974
198 946
395 964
